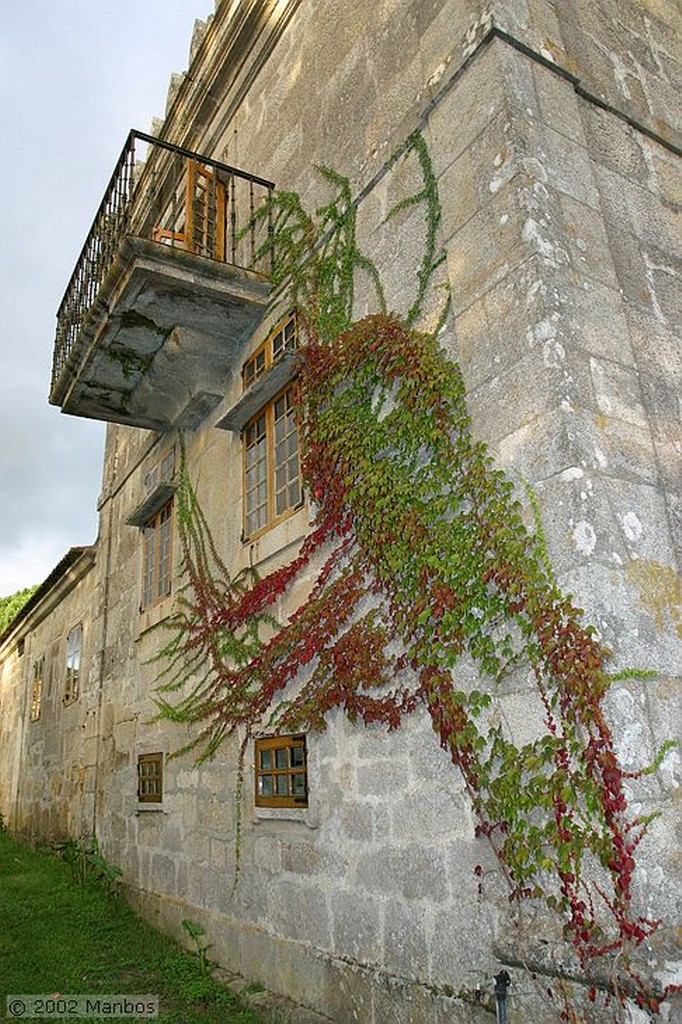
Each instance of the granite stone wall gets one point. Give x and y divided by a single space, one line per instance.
551 128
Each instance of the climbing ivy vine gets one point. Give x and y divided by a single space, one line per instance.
422 564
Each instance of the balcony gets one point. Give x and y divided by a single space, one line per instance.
172 279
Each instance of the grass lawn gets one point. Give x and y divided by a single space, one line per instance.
66 938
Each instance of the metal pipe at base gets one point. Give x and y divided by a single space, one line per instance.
502 983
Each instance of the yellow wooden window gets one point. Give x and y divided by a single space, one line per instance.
150 778
157 556
272 472
283 339
281 771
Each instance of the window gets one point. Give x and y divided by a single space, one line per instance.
281 772
162 473
272 473
282 340
37 689
150 778
156 557
154 516
74 647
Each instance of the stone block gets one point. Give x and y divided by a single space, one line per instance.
432 764
504 403
597 321
447 31
250 897
406 926
664 279
314 860
501 327
462 932
497 155
163 873
577 521
465 110
364 821
411 870
617 391
667 174
268 854
629 208
519 83
300 911
623 450
382 779
631 611
397 1001
487 247
216 891
356 925
218 853
641 514
214 813
431 814
559 106
613 143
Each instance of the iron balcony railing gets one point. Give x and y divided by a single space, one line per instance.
173 197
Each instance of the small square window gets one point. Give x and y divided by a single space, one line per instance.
150 778
281 772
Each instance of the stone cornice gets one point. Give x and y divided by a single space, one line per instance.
236 45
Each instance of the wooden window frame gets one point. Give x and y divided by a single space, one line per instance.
74 658
272 516
37 688
157 557
283 339
155 776
280 775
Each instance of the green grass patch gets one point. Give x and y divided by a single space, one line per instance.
60 937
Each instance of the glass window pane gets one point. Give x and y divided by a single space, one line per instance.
266 759
294 494
281 785
281 758
265 785
298 784
297 756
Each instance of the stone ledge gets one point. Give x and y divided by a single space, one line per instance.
272 1008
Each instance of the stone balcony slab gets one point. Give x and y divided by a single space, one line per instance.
161 339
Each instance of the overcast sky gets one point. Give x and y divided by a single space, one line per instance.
75 75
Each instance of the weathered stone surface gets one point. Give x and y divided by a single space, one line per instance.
560 228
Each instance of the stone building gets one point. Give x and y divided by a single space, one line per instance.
553 135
